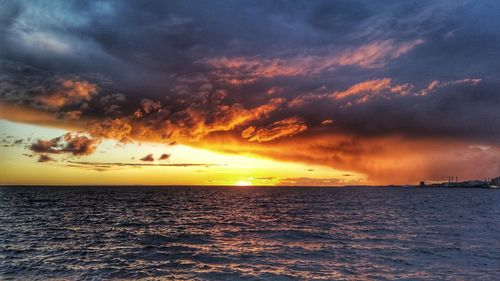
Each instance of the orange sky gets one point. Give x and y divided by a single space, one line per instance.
224 161
18 165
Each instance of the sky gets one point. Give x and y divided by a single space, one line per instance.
249 92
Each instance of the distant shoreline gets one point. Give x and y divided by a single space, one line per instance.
430 186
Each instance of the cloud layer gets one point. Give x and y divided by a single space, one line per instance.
369 86
76 145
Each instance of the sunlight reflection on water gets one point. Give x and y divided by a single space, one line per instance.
253 233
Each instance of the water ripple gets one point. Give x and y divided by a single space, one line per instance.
222 233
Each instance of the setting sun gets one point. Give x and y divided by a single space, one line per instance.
243 183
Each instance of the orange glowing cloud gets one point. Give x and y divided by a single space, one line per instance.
68 93
237 70
188 125
372 86
283 128
440 84
388 159
378 88
274 130
359 93
25 114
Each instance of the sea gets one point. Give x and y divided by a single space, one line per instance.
249 233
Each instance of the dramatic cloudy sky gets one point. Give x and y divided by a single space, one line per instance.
313 92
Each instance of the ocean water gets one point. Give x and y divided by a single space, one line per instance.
248 233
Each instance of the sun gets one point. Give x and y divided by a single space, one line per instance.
243 183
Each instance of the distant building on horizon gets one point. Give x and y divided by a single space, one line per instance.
495 181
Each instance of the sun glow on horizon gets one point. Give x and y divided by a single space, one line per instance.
243 183
116 163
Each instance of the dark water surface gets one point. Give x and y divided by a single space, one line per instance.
224 233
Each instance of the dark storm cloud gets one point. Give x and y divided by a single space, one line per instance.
164 156
148 158
259 71
74 144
